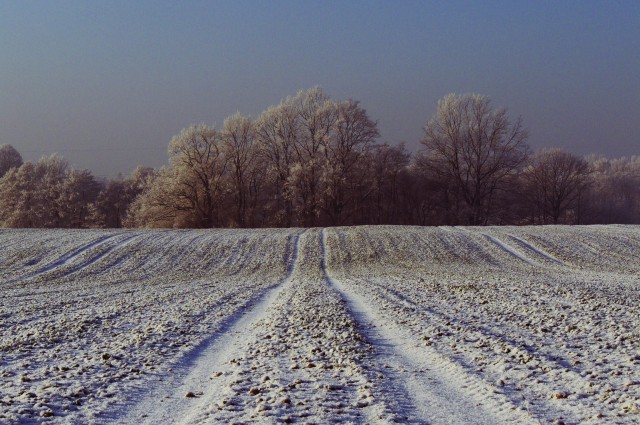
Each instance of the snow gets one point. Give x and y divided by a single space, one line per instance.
371 324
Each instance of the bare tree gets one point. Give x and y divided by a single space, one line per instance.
385 164
110 206
555 183
614 196
419 203
474 148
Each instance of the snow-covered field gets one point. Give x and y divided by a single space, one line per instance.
339 325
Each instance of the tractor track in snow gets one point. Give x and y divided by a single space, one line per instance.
445 368
70 256
512 251
75 253
545 255
166 403
436 396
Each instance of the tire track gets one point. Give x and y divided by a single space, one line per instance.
168 402
523 251
66 258
89 262
545 255
437 395
513 252
498 338
71 255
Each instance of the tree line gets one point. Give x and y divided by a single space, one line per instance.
314 161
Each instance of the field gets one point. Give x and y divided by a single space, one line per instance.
365 324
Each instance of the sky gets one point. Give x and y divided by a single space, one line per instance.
106 84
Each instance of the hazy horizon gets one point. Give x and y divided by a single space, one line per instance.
107 84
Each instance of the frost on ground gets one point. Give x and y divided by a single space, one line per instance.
339 325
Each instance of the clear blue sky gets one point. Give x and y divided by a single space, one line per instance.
108 83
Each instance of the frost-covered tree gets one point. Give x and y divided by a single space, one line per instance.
78 197
313 147
473 149
615 192
9 158
189 191
346 174
241 150
51 173
46 194
293 137
276 132
111 207
317 115
19 198
156 205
